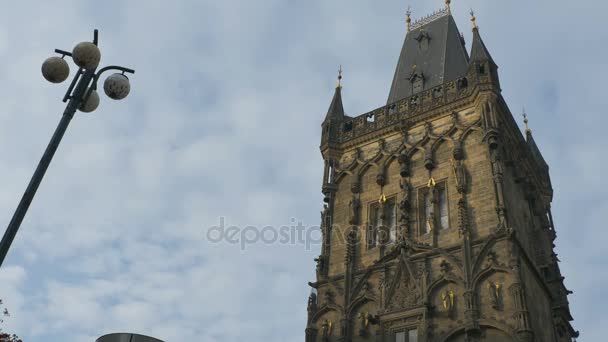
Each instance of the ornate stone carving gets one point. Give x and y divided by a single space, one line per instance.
355 187
458 152
471 312
351 240
404 162
491 259
463 220
381 179
406 295
429 163
445 268
321 266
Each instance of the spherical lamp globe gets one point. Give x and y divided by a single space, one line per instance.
91 103
86 55
55 69
117 86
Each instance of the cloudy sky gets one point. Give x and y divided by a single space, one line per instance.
224 121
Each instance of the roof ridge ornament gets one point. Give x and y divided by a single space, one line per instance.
528 130
408 18
447 5
340 77
474 20
430 18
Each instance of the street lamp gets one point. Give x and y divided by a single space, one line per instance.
122 337
81 95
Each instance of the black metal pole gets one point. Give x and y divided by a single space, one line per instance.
45 161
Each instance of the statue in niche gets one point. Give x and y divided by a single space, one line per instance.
458 152
312 302
320 266
324 215
495 291
326 329
354 210
447 298
497 163
460 175
364 319
430 217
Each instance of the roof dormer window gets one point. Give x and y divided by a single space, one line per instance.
424 39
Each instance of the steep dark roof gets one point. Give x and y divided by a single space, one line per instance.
336 109
479 52
434 50
535 150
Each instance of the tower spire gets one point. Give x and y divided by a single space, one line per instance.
336 109
479 51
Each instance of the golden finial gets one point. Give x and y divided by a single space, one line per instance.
473 19
447 4
528 130
340 77
408 18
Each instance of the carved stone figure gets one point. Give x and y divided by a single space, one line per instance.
321 266
404 162
460 175
354 210
312 302
458 152
497 163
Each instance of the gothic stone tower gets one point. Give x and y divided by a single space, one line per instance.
437 224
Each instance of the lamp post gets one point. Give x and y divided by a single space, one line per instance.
125 337
81 95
